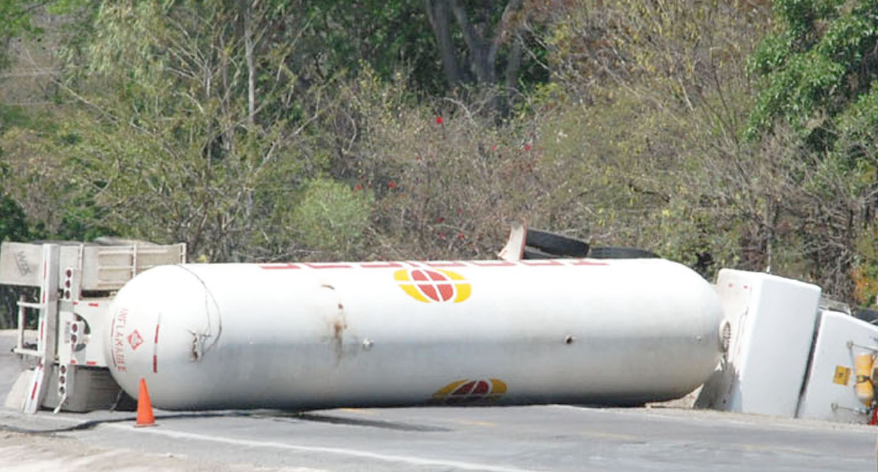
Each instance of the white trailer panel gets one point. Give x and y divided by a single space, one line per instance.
771 322
21 264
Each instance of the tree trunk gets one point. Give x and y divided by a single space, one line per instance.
437 14
251 67
479 58
482 43
513 64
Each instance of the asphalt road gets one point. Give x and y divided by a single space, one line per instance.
502 439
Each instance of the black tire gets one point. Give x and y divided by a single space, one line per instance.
612 252
556 244
537 254
869 316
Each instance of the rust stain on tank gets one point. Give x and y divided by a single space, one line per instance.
335 317
338 327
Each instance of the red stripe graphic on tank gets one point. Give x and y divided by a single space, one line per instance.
381 265
445 264
329 265
279 266
492 263
155 346
432 264
586 262
543 262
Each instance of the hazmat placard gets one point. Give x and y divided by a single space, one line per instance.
842 375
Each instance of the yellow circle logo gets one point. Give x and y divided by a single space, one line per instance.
469 391
433 285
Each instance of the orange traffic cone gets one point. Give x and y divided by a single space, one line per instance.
144 407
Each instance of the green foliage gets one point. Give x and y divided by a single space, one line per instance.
166 138
15 17
13 222
822 59
386 35
865 272
798 92
332 217
818 97
17 20
645 121
283 129
13 116
858 129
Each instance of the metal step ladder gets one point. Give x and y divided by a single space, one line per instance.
48 318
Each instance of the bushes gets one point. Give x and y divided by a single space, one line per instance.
229 127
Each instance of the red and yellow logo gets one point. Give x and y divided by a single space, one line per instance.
433 285
468 391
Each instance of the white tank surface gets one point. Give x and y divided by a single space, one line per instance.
217 336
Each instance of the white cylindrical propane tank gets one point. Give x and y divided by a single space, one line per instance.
218 336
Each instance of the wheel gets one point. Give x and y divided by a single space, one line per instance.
537 254
869 316
612 252
556 244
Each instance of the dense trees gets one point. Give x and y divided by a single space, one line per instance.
818 73
286 129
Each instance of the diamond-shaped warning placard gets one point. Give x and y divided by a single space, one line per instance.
135 340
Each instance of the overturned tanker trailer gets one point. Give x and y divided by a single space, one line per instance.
403 333
315 335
